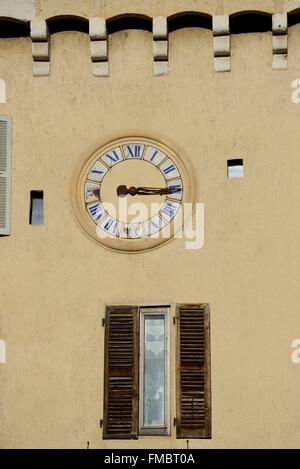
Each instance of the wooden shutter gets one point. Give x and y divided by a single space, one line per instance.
120 420
193 372
5 174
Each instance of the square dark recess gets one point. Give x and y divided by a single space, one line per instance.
36 214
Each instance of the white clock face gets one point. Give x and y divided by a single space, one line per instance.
142 217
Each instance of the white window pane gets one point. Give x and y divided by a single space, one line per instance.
154 371
235 171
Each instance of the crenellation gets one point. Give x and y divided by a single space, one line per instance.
99 46
40 47
160 46
280 41
99 39
221 43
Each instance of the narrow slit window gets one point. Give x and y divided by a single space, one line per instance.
235 168
36 216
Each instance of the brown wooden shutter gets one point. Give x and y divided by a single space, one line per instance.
121 367
193 372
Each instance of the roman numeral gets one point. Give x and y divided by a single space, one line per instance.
154 155
95 211
175 187
154 224
168 209
96 171
113 156
134 151
111 226
169 169
133 231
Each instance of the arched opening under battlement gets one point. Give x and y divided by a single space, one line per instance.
189 19
129 21
250 22
294 17
11 27
58 24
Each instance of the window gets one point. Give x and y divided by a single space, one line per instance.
235 168
154 371
2 351
2 92
138 376
5 174
36 216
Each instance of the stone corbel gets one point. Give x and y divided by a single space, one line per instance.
221 42
160 46
280 41
99 46
40 47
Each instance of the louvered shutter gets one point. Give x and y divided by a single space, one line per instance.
5 174
120 419
193 372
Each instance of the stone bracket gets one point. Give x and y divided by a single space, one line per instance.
99 46
280 41
40 47
160 46
221 43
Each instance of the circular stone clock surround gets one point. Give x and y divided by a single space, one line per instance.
132 161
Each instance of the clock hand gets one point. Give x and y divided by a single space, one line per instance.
122 191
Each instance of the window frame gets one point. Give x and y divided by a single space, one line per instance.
155 311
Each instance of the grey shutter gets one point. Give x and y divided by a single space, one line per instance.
121 373
193 372
5 174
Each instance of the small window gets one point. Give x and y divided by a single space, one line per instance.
36 216
235 168
2 351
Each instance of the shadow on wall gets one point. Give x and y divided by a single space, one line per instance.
240 22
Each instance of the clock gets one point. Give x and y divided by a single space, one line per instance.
129 195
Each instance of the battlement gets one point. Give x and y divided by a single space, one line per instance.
100 20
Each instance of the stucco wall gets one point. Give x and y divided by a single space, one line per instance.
55 282
28 9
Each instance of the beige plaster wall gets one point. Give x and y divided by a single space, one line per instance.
27 9
110 8
55 282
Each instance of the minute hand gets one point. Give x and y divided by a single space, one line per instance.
122 191
153 191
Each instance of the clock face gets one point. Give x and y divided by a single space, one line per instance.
129 195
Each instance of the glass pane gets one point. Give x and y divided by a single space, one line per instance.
154 371
37 208
235 171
